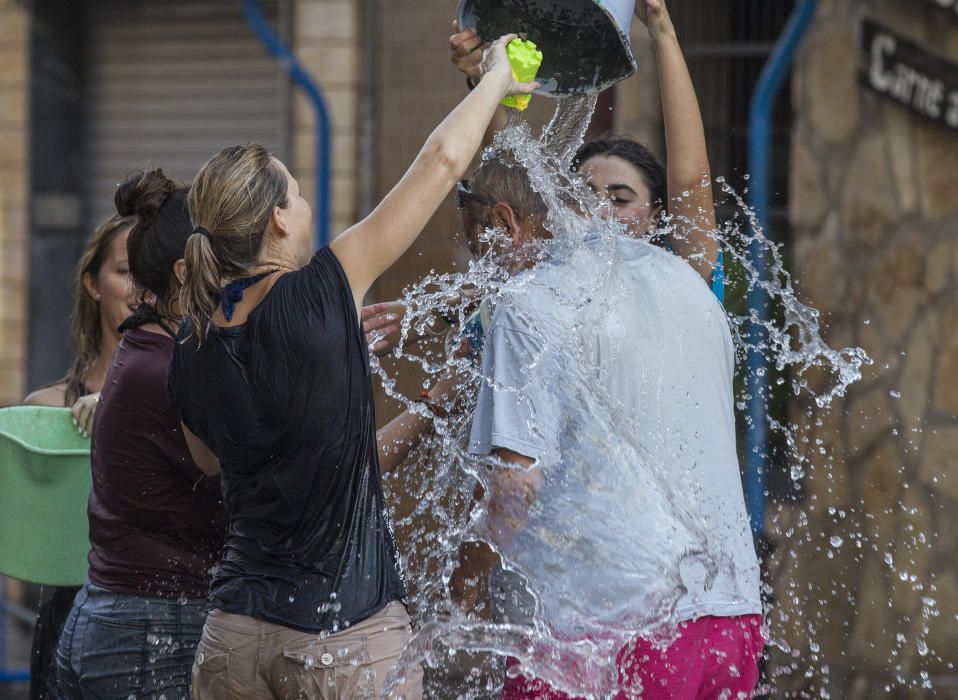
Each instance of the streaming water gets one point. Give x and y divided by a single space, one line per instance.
634 557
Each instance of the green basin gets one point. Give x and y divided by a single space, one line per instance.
44 487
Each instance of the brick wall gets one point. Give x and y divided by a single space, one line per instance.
14 182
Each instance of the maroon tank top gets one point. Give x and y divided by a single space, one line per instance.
157 523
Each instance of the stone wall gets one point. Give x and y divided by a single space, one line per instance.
14 182
866 575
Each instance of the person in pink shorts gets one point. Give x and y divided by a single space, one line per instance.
712 658
605 421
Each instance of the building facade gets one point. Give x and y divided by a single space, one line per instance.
14 180
865 201
91 91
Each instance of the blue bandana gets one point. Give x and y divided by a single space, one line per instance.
232 294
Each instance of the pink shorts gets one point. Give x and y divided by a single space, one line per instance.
713 657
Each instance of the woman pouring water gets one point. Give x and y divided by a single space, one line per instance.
639 189
272 382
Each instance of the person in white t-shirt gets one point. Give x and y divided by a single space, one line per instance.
605 416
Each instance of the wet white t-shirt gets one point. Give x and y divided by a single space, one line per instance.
611 364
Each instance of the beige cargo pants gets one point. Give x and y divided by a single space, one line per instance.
241 658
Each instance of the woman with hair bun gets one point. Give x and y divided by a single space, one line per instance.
157 523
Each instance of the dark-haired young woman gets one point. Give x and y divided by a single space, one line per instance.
273 385
103 298
640 190
157 523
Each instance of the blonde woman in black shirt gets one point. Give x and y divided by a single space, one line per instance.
271 379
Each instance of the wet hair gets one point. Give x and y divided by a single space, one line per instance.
157 240
85 328
501 178
232 198
637 155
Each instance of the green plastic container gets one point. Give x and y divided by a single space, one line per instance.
44 487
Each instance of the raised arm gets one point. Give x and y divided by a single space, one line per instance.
687 164
370 247
465 52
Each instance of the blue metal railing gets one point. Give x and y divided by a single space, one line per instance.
323 145
759 155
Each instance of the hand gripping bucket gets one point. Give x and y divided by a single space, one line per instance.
44 488
585 44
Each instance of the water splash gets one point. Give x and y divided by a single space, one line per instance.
450 488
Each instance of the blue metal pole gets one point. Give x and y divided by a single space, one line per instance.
3 626
15 676
323 145
759 154
7 675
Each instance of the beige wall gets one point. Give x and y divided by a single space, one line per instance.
326 40
875 213
638 108
417 88
14 185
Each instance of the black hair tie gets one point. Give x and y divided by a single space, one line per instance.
203 232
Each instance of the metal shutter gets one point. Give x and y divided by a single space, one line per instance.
171 82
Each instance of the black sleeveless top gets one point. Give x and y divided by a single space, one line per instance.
285 401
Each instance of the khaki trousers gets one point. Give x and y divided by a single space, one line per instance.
241 658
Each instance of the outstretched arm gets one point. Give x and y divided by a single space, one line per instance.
370 247
687 164
397 438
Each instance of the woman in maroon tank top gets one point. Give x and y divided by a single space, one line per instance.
157 523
